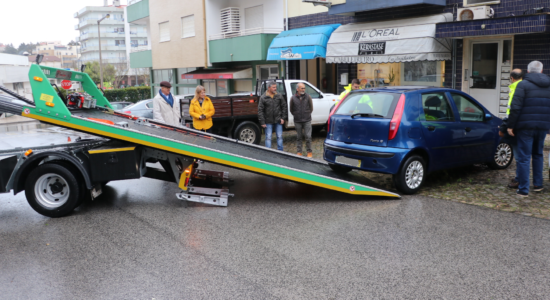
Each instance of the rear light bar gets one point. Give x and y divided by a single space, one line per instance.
396 119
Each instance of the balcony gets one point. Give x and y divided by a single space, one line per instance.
93 21
240 48
138 11
104 48
93 35
141 59
140 48
252 31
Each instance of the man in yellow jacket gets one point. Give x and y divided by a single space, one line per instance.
202 110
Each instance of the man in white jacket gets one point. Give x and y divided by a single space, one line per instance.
166 108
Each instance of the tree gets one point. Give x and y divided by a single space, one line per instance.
92 69
10 49
120 73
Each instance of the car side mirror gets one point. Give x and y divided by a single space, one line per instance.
488 117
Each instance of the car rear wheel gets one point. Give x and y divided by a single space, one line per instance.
502 158
248 132
339 169
411 175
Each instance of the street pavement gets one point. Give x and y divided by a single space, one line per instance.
275 240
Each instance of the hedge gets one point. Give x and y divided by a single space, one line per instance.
131 94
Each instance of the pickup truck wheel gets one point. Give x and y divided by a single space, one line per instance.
248 132
52 190
411 175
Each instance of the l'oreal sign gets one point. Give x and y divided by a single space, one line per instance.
376 34
288 54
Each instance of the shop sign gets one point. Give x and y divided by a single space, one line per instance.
372 48
288 54
375 34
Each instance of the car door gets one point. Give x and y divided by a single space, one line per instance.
479 138
149 110
441 130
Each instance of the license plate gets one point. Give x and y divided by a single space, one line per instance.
348 161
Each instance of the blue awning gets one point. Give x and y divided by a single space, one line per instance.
301 43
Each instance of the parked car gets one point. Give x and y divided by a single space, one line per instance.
411 131
120 105
143 108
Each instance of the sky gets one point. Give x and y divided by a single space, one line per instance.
41 20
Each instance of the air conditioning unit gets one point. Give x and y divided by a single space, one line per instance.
474 13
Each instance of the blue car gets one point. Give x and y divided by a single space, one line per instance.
411 131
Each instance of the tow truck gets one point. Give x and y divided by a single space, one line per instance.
58 178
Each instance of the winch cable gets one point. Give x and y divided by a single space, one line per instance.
9 92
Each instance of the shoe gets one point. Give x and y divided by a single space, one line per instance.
513 184
299 153
521 194
309 154
538 188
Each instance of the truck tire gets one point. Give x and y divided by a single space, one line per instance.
248 132
84 192
52 190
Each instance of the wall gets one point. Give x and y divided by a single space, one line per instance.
178 52
531 47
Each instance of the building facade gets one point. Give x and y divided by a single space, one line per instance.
68 55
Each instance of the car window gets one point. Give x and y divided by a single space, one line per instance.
309 90
116 106
436 107
375 103
467 109
149 105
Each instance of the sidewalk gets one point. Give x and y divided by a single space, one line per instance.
476 185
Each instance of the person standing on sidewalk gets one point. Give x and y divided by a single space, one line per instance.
301 107
272 112
202 110
529 122
516 76
166 108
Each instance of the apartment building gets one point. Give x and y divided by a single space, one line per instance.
117 35
67 54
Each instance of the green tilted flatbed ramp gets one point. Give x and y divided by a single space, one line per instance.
99 121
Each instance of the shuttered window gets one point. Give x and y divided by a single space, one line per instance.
164 31
254 17
188 26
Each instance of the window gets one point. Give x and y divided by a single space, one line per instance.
309 90
243 85
269 72
254 17
436 107
182 79
210 87
380 105
480 2
164 32
149 105
221 88
467 109
188 26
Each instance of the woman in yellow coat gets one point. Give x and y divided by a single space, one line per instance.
202 110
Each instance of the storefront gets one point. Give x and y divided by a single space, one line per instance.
305 48
222 82
392 53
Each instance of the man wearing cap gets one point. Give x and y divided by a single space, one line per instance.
166 108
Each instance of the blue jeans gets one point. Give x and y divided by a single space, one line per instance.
515 151
269 133
530 144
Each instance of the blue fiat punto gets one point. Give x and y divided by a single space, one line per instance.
409 131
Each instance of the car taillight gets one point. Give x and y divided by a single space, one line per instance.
334 110
396 119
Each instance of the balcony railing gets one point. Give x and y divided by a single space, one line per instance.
251 31
140 48
130 2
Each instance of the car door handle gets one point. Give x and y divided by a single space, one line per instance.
431 128
468 129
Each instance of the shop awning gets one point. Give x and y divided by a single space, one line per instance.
241 73
389 41
301 43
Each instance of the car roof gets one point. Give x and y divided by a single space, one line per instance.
404 89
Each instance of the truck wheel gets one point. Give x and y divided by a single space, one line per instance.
248 132
52 190
84 192
411 175
339 169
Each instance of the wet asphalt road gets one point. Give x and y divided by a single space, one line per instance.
275 240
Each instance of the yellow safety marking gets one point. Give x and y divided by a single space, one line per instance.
212 159
111 150
46 97
183 178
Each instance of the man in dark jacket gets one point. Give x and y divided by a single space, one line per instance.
272 112
529 121
301 107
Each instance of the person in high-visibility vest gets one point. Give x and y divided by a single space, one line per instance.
354 85
516 76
